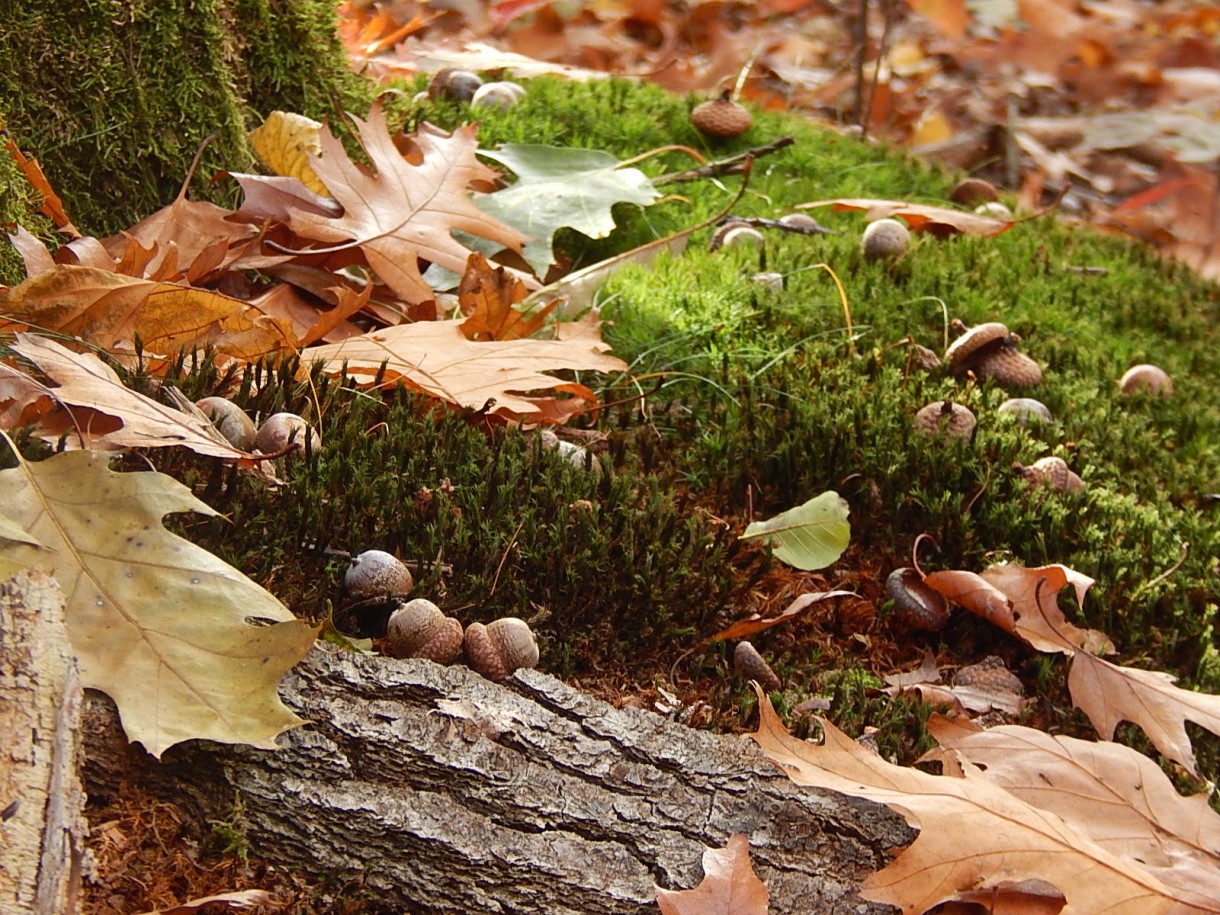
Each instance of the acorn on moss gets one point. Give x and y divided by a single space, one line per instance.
885 239
721 118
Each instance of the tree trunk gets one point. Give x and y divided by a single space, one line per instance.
42 829
448 793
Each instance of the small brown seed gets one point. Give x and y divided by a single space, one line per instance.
751 665
375 573
917 606
418 629
502 646
885 239
1146 378
721 118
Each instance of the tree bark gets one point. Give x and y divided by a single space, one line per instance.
448 793
42 827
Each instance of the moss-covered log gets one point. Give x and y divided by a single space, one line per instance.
114 99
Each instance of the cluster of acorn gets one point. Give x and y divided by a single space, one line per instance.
277 434
419 629
465 86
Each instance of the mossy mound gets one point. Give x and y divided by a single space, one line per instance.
744 400
115 100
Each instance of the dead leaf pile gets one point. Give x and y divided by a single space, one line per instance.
341 280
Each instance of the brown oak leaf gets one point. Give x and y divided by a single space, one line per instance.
402 213
729 885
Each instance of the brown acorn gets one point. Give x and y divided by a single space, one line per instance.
721 118
230 420
1146 378
502 646
885 239
750 664
281 430
917 606
944 417
1009 366
964 352
970 192
418 629
1053 472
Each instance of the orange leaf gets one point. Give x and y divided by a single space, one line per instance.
743 629
52 206
488 296
949 16
113 310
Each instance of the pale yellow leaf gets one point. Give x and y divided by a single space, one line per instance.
285 141
161 625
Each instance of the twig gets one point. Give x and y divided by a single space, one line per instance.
731 165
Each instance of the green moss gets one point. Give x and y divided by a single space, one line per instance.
116 98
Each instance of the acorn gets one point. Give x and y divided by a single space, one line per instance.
944 417
279 431
230 420
502 646
885 239
376 573
1009 366
964 352
994 210
1025 410
917 605
455 85
1052 472
418 629
750 664
1146 378
721 118
736 234
502 95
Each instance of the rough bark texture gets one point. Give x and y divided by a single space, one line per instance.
42 830
451 794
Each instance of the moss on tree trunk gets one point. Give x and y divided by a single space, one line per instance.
115 98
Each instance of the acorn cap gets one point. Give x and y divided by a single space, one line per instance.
1007 365
970 192
990 673
1146 377
376 573
721 118
947 417
500 647
966 349
1053 472
418 629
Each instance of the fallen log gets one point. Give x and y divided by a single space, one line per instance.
448 793
42 827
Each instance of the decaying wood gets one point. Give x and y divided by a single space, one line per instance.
451 794
42 829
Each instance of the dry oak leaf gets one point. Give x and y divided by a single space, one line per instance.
938 221
973 835
402 213
111 310
729 885
159 624
1108 694
83 380
436 358
487 297
285 141
1039 621
1117 796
